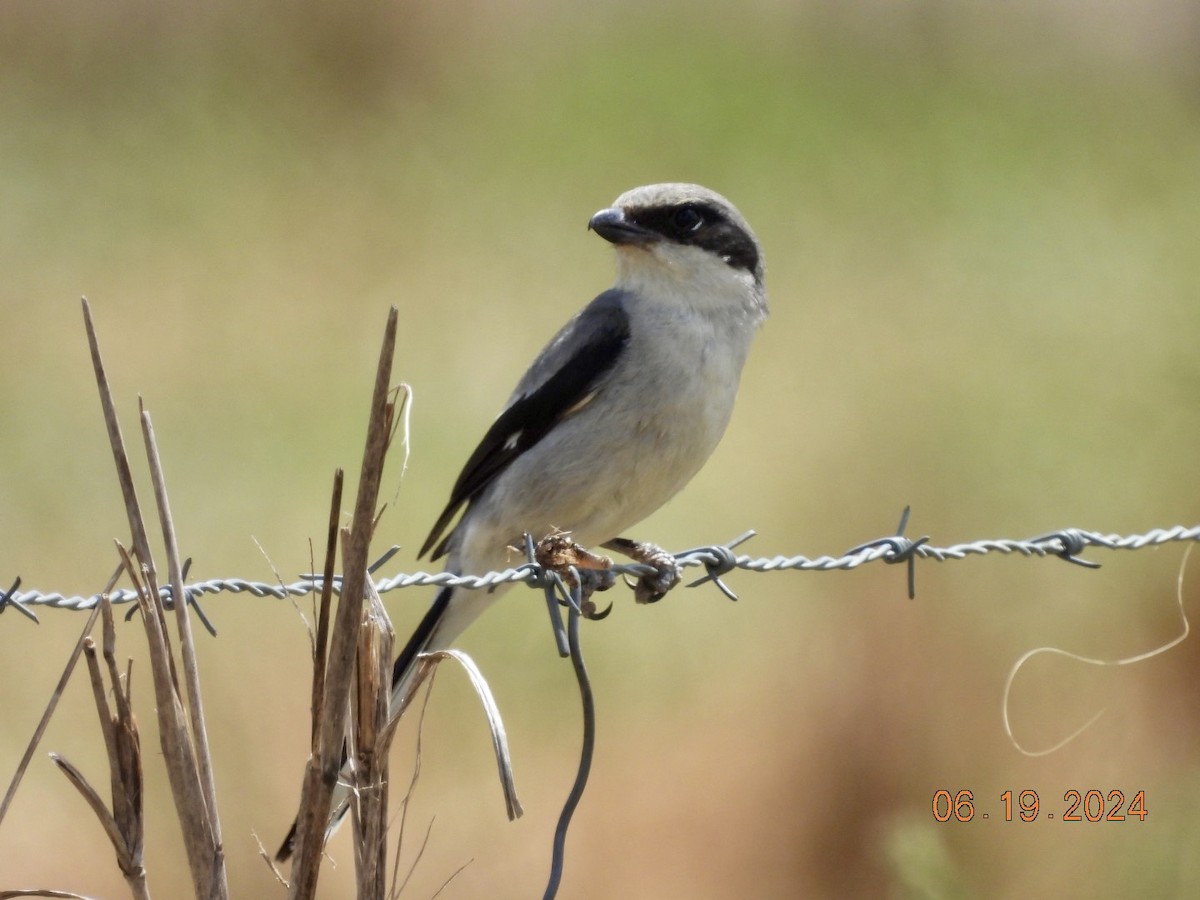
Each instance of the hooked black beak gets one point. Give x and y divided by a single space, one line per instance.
612 225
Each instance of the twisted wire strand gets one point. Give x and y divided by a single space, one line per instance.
718 559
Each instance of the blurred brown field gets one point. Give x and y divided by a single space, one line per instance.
981 226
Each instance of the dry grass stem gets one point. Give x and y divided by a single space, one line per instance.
182 738
326 762
310 815
38 732
124 825
371 738
321 642
495 724
187 646
397 885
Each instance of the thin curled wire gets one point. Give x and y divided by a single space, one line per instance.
1066 544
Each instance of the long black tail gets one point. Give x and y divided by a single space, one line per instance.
420 637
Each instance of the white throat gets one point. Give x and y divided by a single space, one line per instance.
674 273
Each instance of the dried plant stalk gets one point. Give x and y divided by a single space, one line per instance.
371 739
326 762
183 740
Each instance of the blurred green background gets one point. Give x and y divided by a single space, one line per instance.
981 224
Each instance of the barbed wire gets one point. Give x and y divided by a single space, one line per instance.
717 560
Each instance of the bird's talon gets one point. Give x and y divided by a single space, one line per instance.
652 588
588 610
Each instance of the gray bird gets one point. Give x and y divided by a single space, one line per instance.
616 414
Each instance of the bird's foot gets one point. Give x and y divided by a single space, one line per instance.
575 564
649 588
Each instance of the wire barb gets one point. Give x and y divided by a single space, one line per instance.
718 560
899 549
9 596
1073 542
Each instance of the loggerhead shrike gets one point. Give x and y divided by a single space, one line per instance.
616 414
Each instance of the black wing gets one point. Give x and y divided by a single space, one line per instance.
566 371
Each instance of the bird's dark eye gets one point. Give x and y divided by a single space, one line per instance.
687 218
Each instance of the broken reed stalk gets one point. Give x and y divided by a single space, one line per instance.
321 644
125 824
185 751
54 698
310 817
324 765
124 748
371 738
183 623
